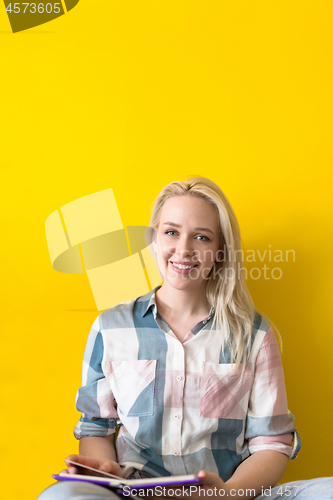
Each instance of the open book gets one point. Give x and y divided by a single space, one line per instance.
125 486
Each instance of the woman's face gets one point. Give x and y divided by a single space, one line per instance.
188 241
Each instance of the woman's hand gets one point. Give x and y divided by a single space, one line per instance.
210 481
104 466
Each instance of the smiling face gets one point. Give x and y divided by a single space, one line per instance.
187 242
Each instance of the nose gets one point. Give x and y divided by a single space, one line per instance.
184 247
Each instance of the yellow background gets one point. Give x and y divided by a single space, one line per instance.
132 95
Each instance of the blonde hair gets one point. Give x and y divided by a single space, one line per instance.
226 287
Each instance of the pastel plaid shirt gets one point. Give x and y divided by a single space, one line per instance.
179 405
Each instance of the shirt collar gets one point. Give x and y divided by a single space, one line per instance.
152 305
211 313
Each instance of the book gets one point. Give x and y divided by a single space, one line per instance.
126 486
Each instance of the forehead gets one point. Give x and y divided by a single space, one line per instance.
190 210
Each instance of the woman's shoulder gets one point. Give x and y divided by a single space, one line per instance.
263 333
123 314
260 322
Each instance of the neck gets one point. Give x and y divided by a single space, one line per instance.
183 303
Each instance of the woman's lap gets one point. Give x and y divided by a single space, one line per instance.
85 491
319 488
64 490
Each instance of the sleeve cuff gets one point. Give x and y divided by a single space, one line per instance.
281 443
100 427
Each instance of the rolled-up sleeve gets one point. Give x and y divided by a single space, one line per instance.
95 399
269 424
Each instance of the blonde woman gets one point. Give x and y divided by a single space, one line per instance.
190 373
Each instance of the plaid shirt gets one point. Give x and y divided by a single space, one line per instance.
179 405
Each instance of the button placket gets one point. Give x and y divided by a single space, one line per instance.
178 366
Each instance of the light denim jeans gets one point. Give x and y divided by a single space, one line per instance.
319 488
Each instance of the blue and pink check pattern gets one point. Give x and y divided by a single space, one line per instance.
179 405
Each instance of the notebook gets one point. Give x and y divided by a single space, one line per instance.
126 486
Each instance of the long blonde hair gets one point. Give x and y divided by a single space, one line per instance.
226 287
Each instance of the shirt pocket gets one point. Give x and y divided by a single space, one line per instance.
132 383
223 393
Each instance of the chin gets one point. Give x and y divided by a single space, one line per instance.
183 284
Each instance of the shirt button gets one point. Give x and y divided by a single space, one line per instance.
204 322
176 453
179 378
176 416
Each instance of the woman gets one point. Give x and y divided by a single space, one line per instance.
190 373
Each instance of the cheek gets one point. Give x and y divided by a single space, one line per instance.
160 262
208 257
165 251
208 266
163 255
207 269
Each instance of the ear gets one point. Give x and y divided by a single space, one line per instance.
155 245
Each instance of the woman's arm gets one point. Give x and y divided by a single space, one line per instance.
258 472
101 448
96 434
255 474
96 452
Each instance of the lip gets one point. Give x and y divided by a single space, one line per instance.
182 263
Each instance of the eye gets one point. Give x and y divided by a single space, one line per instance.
202 238
170 232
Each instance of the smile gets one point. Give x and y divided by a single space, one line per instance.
182 266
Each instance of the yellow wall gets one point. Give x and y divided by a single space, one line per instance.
132 95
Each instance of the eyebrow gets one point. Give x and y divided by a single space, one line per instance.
196 228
